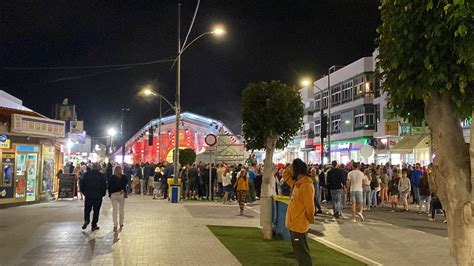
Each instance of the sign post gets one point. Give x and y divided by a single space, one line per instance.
210 140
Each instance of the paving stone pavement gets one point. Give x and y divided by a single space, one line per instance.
155 233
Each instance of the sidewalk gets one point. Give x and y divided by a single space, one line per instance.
386 238
155 233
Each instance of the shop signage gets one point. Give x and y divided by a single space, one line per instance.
4 142
392 128
38 126
344 146
318 148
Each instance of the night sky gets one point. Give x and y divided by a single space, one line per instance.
266 40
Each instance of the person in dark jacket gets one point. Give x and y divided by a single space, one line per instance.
117 188
93 186
335 186
425 193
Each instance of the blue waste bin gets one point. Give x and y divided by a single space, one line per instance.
175 193
280 206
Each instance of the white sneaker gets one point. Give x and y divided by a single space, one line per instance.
361 216
431 219
354 220
445 221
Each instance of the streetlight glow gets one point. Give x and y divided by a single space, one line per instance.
305 82
218 31
112 132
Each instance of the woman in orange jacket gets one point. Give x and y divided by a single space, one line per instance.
300 213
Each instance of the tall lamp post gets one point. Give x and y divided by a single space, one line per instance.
181 49
122 133
111 132
306 82
148 91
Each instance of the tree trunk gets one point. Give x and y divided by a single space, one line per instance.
452 175
268 188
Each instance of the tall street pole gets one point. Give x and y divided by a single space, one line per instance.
123 134
178 103
159 136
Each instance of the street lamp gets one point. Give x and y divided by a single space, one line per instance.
306 82
111 132
217 31
149 91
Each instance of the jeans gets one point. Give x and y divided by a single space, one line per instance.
336 196
251 194
142 186
366 197
89 205
300 247
373 197
404 197
118 204
425 200
416 194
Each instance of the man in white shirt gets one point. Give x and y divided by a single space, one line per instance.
354 182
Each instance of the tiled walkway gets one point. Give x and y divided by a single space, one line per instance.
155 233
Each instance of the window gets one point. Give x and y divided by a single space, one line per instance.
347 92
359 118
363 87
317 102
335 95
335 123
317 128
377 116
325 99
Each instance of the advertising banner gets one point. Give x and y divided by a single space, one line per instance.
38 126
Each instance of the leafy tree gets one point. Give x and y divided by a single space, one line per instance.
187 157
272 114
426 63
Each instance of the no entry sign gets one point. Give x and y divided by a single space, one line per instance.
210 140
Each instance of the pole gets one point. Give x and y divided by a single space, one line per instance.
329 114
177 104
123 138
210 175
159 136
321 135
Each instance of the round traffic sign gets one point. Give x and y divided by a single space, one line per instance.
210 140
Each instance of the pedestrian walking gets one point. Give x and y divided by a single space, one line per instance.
425 193
300 213
366 190
226 183
251 179
336 188
404 186
354 182
93 186
393 192
157 186
242 187
117 188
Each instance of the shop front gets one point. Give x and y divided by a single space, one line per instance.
29 162
411 149
343 151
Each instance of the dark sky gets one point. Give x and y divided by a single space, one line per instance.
278 39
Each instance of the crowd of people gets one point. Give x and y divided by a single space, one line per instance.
368 186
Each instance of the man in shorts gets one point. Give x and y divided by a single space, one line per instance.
354 182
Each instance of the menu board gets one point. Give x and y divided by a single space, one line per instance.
67 186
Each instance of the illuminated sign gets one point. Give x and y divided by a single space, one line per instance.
4 142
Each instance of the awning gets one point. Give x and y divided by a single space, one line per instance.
408 143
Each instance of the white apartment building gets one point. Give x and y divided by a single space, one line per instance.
359 117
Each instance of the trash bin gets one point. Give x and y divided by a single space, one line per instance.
174 190
280 206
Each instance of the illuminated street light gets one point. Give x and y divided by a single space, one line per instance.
111 132
305 82
218 31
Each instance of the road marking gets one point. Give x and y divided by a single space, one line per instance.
343 250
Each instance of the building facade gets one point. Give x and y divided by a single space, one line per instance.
31 153
359 119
